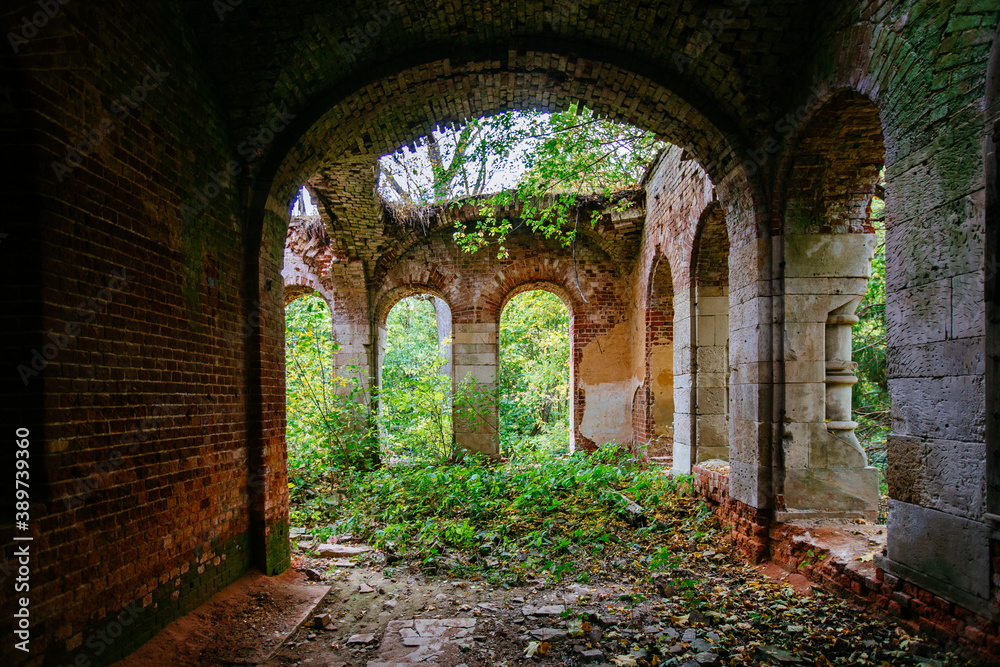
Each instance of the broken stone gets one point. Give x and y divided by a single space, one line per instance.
313 575
365 588
701 645
366 638
689 635
389 604
343 563
548 634
592 655
486 606
340 550
632 512
548 610
699 617
321 620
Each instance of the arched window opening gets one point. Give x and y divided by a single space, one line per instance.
830 268
534 375
415 383
710 333
869 400
326 410
660 366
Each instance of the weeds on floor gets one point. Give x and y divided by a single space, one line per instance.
550 516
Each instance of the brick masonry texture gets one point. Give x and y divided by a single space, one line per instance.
158 426
796 550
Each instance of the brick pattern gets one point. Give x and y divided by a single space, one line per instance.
834 170
793 547
190 356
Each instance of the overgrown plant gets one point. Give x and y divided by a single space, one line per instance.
418 403
871 394
329 426
541 161
513 520
533 376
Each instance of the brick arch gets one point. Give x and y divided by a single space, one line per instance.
387 109
822 214
708 333
829 177
552 287
710 248
388 299
656 395
296 291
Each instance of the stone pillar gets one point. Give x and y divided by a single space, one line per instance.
826 472
442 313
474 351
752 392
711 373
683 382
351 324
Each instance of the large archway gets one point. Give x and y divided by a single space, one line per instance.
828 244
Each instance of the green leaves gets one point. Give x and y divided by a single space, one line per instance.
543 161
534 375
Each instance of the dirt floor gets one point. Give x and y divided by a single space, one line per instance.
384 616
358 610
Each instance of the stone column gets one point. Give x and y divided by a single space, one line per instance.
826 472
442 313
475 358
683 382
711 373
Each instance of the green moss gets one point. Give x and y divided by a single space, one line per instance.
278 555
103 644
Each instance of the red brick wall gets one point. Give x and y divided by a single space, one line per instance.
139 415
793 547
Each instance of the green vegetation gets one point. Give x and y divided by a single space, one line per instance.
416 397
542 161
520 519
871 394
534 375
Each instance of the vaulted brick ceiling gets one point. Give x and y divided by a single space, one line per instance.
701 74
